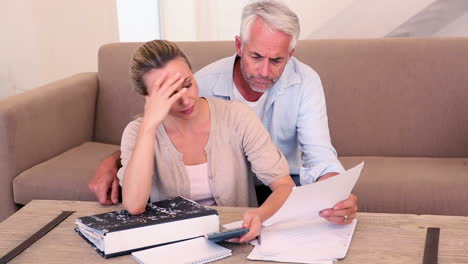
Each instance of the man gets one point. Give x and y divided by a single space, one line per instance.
286 94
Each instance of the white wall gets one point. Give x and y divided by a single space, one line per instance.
178 21
138 20
191 20
315 14
48 40
368 19
45 40
16 46
5 85
457 28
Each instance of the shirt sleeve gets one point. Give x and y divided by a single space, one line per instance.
127 146
267 162
318 155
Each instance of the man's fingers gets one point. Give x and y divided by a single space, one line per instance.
340 219
95 189
91 187
340 213
115 191
104 199
347 208
102 194
343 212
351 202
343 205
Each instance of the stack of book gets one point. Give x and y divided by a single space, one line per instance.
119 232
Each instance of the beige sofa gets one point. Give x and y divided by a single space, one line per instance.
401 105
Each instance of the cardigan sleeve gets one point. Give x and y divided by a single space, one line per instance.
127 146
267 162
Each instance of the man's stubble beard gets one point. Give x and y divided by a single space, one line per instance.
250 83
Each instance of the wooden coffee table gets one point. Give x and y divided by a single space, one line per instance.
379 238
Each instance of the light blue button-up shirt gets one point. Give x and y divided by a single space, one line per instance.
295 115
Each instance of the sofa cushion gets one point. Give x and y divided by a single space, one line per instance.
412 185
64 177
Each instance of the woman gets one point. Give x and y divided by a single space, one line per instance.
195 147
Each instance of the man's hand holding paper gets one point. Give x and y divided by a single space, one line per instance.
311 200
320 235
343 212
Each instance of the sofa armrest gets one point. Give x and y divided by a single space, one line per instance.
42 123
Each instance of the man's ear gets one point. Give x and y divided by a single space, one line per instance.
291 53
238 46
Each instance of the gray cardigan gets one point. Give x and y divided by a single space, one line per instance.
238 144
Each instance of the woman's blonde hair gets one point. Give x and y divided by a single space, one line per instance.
153 54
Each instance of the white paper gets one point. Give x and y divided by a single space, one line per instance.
198 250
296 233
315 238
308 200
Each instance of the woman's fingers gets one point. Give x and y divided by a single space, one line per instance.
157 84
176 96
173 86
253 222
165 82
167 87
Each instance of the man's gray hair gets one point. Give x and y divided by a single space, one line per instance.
275 14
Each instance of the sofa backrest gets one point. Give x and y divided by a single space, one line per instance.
385 97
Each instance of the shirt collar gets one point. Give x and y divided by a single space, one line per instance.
289 77
227 68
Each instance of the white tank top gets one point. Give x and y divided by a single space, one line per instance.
199 187
258 106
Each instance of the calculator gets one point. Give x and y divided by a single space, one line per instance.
225 235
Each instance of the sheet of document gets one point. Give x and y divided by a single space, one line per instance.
308 241
308 200
296 233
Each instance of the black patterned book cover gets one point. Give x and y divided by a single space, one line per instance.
178 208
